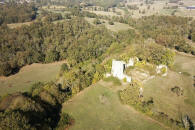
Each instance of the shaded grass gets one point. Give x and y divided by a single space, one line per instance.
91 113
114 80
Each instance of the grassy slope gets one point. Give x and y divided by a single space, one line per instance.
98 107
27 76
160 89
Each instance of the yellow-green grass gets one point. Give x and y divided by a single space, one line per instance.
28 75
99 108
182 75
154 8
103 13
54 7
115 28
15 25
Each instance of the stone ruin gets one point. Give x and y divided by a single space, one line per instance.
159 69
118 68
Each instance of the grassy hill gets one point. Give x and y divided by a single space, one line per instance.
27 76
99 107
165 100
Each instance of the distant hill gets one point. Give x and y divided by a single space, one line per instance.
103 3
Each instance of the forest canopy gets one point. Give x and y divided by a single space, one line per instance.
46 42
17 13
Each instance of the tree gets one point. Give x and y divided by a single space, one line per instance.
51 56
5 69
97 21
111 22
14 120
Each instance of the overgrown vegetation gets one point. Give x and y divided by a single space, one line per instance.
45 42
39 109
115 80
132 96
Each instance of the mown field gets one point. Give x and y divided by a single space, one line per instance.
28 75
181 75
98 107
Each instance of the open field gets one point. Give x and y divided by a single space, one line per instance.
115 28
15 25
160 89
103 110
54 7
103 13
28 75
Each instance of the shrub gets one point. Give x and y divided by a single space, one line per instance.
65 122
125 80
14 121
64 67
36 86
108 66
97 21
130 95
177 90
115 80
52 56
163 70
111 22
5 69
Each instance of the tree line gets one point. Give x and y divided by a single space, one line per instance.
45 42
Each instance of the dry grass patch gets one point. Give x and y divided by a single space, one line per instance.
27 76
16 25
164 99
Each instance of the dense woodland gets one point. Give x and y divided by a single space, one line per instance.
169 31
46 42
17 13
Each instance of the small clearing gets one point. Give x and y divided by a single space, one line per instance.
115 28
28 75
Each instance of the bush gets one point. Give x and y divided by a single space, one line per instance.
115 80
111 22
64 67
130 95
5 69
65 122
14 121
125 80
108 66
97 21
36 86
52 56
